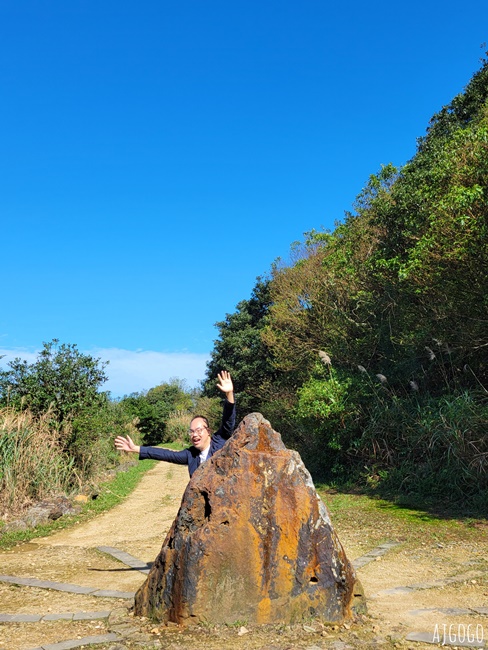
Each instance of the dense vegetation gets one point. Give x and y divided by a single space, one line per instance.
57 426
369 350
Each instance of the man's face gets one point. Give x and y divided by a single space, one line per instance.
199 434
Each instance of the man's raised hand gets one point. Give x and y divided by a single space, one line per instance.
225 385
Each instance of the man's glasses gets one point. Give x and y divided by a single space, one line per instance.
198 431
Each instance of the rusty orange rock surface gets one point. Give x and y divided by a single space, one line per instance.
252 542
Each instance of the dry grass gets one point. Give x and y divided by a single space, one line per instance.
32 462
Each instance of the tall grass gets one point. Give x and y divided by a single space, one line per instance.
435 447
32 462
39 459
399 441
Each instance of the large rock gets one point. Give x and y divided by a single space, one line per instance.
252 542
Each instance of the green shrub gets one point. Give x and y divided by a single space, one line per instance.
91 439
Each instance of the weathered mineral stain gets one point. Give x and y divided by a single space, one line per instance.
252 541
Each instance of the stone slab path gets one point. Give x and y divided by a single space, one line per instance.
71 589
126 558
63 586
103 560
379 551
63 616
78 643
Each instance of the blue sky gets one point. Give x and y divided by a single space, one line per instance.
157 156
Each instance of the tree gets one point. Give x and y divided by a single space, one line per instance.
63 387
396 299
62 380
241 351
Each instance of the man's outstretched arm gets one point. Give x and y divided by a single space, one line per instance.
156 453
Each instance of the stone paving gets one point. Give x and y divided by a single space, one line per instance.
70 616
125 558
63 616
76 643
128 560
63 586
374 554
438 637
462 577
451 611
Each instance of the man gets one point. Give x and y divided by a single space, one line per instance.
204 444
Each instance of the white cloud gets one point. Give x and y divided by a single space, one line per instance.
9 354
130 371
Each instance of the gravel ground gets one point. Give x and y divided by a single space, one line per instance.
446 565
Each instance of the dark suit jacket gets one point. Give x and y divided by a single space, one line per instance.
190 456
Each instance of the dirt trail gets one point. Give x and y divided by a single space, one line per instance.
138 526
139 523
